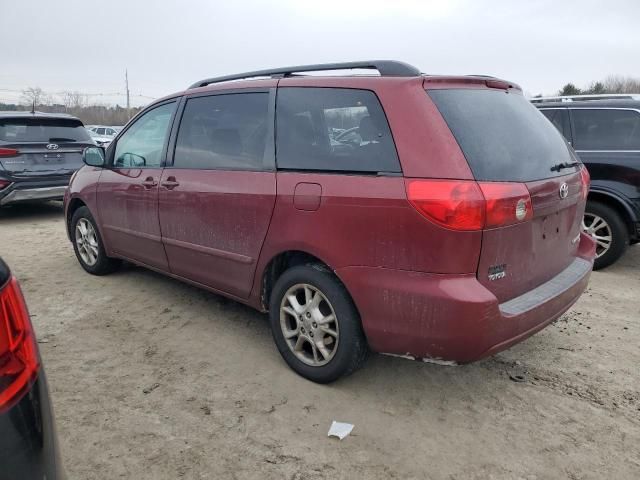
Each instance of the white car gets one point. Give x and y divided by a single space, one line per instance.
99 140
103 131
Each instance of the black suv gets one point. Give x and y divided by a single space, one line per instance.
606 136
38 154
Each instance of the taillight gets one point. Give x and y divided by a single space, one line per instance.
8 152
468 205
455 204
586 181
506 203
19 361
4 183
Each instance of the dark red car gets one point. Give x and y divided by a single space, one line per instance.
446 228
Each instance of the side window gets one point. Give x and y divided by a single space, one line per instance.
226 131
333 129
100 131
560 119
142 144
606 129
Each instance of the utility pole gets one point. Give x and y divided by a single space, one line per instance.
126 79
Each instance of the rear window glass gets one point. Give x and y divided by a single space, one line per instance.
503 136
333 129
42 130
606 129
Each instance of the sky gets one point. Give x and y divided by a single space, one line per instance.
167 45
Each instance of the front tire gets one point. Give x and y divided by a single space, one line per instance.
608 230
88 244
315 324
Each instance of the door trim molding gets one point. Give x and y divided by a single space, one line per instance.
146 236
236 257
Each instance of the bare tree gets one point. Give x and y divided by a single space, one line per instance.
73 100
621 84
33 96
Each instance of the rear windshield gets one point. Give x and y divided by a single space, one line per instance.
42 130
503 136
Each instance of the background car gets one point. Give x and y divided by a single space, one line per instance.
103 131
38 154
100 140
28 443
605 134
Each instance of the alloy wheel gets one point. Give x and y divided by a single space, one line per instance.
599 230
309 324
87 242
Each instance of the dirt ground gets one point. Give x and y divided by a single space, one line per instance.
154 379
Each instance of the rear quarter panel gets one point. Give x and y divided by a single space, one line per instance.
615 172
363 221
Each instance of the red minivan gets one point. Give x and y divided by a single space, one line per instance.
432 217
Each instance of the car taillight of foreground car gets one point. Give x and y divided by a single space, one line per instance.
19 363
28 441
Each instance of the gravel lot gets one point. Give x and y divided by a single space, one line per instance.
153 379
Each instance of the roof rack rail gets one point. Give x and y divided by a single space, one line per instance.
386 68
594 96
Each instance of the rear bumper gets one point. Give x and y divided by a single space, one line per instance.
34 189
453 317
44 193
28 439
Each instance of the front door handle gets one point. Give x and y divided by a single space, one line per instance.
170 183
149 182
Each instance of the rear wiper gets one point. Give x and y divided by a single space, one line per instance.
61 139
561 166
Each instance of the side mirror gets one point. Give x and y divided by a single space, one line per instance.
93 156
130 160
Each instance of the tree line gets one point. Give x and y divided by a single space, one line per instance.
74 103
611 85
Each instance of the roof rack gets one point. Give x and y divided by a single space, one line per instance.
595 96
386 68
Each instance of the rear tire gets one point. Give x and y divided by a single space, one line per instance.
608 229
315 324
88 244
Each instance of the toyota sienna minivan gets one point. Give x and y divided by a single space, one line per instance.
444 225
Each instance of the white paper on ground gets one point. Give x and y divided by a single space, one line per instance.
339 429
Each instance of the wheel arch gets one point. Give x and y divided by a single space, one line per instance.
617 203
74 204
283 261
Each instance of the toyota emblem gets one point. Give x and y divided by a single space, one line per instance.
52 146
564 190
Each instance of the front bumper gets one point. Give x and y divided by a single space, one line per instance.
454 318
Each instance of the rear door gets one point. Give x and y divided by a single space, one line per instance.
128 190
506 139
217 195
608 142
45 145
